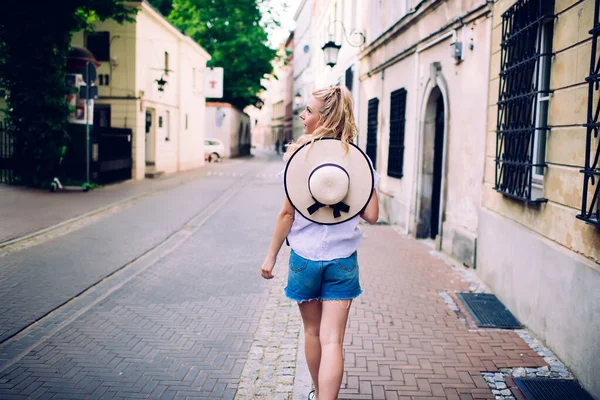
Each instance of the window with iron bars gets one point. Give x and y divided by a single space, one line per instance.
372 130
397 123
349 78
524 93
99 44
590 204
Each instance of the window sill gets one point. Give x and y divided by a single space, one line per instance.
590 221
536 201
395 175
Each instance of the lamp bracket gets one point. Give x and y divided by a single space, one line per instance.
357 42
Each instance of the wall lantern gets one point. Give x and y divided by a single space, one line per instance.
161 84
332 49
298 100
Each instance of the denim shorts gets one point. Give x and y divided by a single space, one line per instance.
323 280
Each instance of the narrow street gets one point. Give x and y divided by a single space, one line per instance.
140 149
161 298
183 305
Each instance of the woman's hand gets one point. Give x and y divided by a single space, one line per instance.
285 219
267 268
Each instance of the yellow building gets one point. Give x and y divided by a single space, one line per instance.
151 81
539 226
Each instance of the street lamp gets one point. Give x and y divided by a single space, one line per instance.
161 84
297 101
332 49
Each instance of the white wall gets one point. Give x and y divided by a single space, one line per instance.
121 93
304 80
465 97
227 132
137 61
261 132
154 38
192 107
551 290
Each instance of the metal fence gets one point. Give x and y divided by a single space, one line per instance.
114 154
6 155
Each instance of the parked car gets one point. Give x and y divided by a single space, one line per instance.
214 150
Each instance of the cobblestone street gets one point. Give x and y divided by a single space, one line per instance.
163 299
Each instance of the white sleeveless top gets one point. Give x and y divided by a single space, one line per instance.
318 242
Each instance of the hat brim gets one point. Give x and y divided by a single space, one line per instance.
328 150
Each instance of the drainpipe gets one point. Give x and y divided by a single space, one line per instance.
180 84
418 158
380 123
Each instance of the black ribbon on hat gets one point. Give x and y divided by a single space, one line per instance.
338 208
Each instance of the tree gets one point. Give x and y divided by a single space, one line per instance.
34 42
234 33
164 6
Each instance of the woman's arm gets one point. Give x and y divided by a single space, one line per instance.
282 228
371 211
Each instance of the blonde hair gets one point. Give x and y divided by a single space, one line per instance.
336 118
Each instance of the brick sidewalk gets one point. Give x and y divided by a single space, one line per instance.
404 342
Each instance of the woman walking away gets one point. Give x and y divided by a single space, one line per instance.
329 184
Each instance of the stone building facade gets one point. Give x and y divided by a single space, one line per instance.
538 235
151 81
422 110
304 48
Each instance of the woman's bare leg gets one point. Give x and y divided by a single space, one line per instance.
333 326
311 317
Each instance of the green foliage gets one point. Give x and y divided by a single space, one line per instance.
34 43
234 32
164 6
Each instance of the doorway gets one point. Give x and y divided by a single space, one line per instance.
429 223
150 137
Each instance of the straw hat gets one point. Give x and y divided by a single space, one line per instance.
327 185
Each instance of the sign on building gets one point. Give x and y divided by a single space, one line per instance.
213 83
77 101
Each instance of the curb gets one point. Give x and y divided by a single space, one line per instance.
107 207
74 219
302 380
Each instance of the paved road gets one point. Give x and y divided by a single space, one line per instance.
26 210
162 299
177 322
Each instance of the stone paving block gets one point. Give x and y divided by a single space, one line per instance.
185 321
403 337
200 323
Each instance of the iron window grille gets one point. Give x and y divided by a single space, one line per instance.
590 204
523 99
372 130
397 124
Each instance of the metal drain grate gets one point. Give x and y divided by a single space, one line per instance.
487 311
551 389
